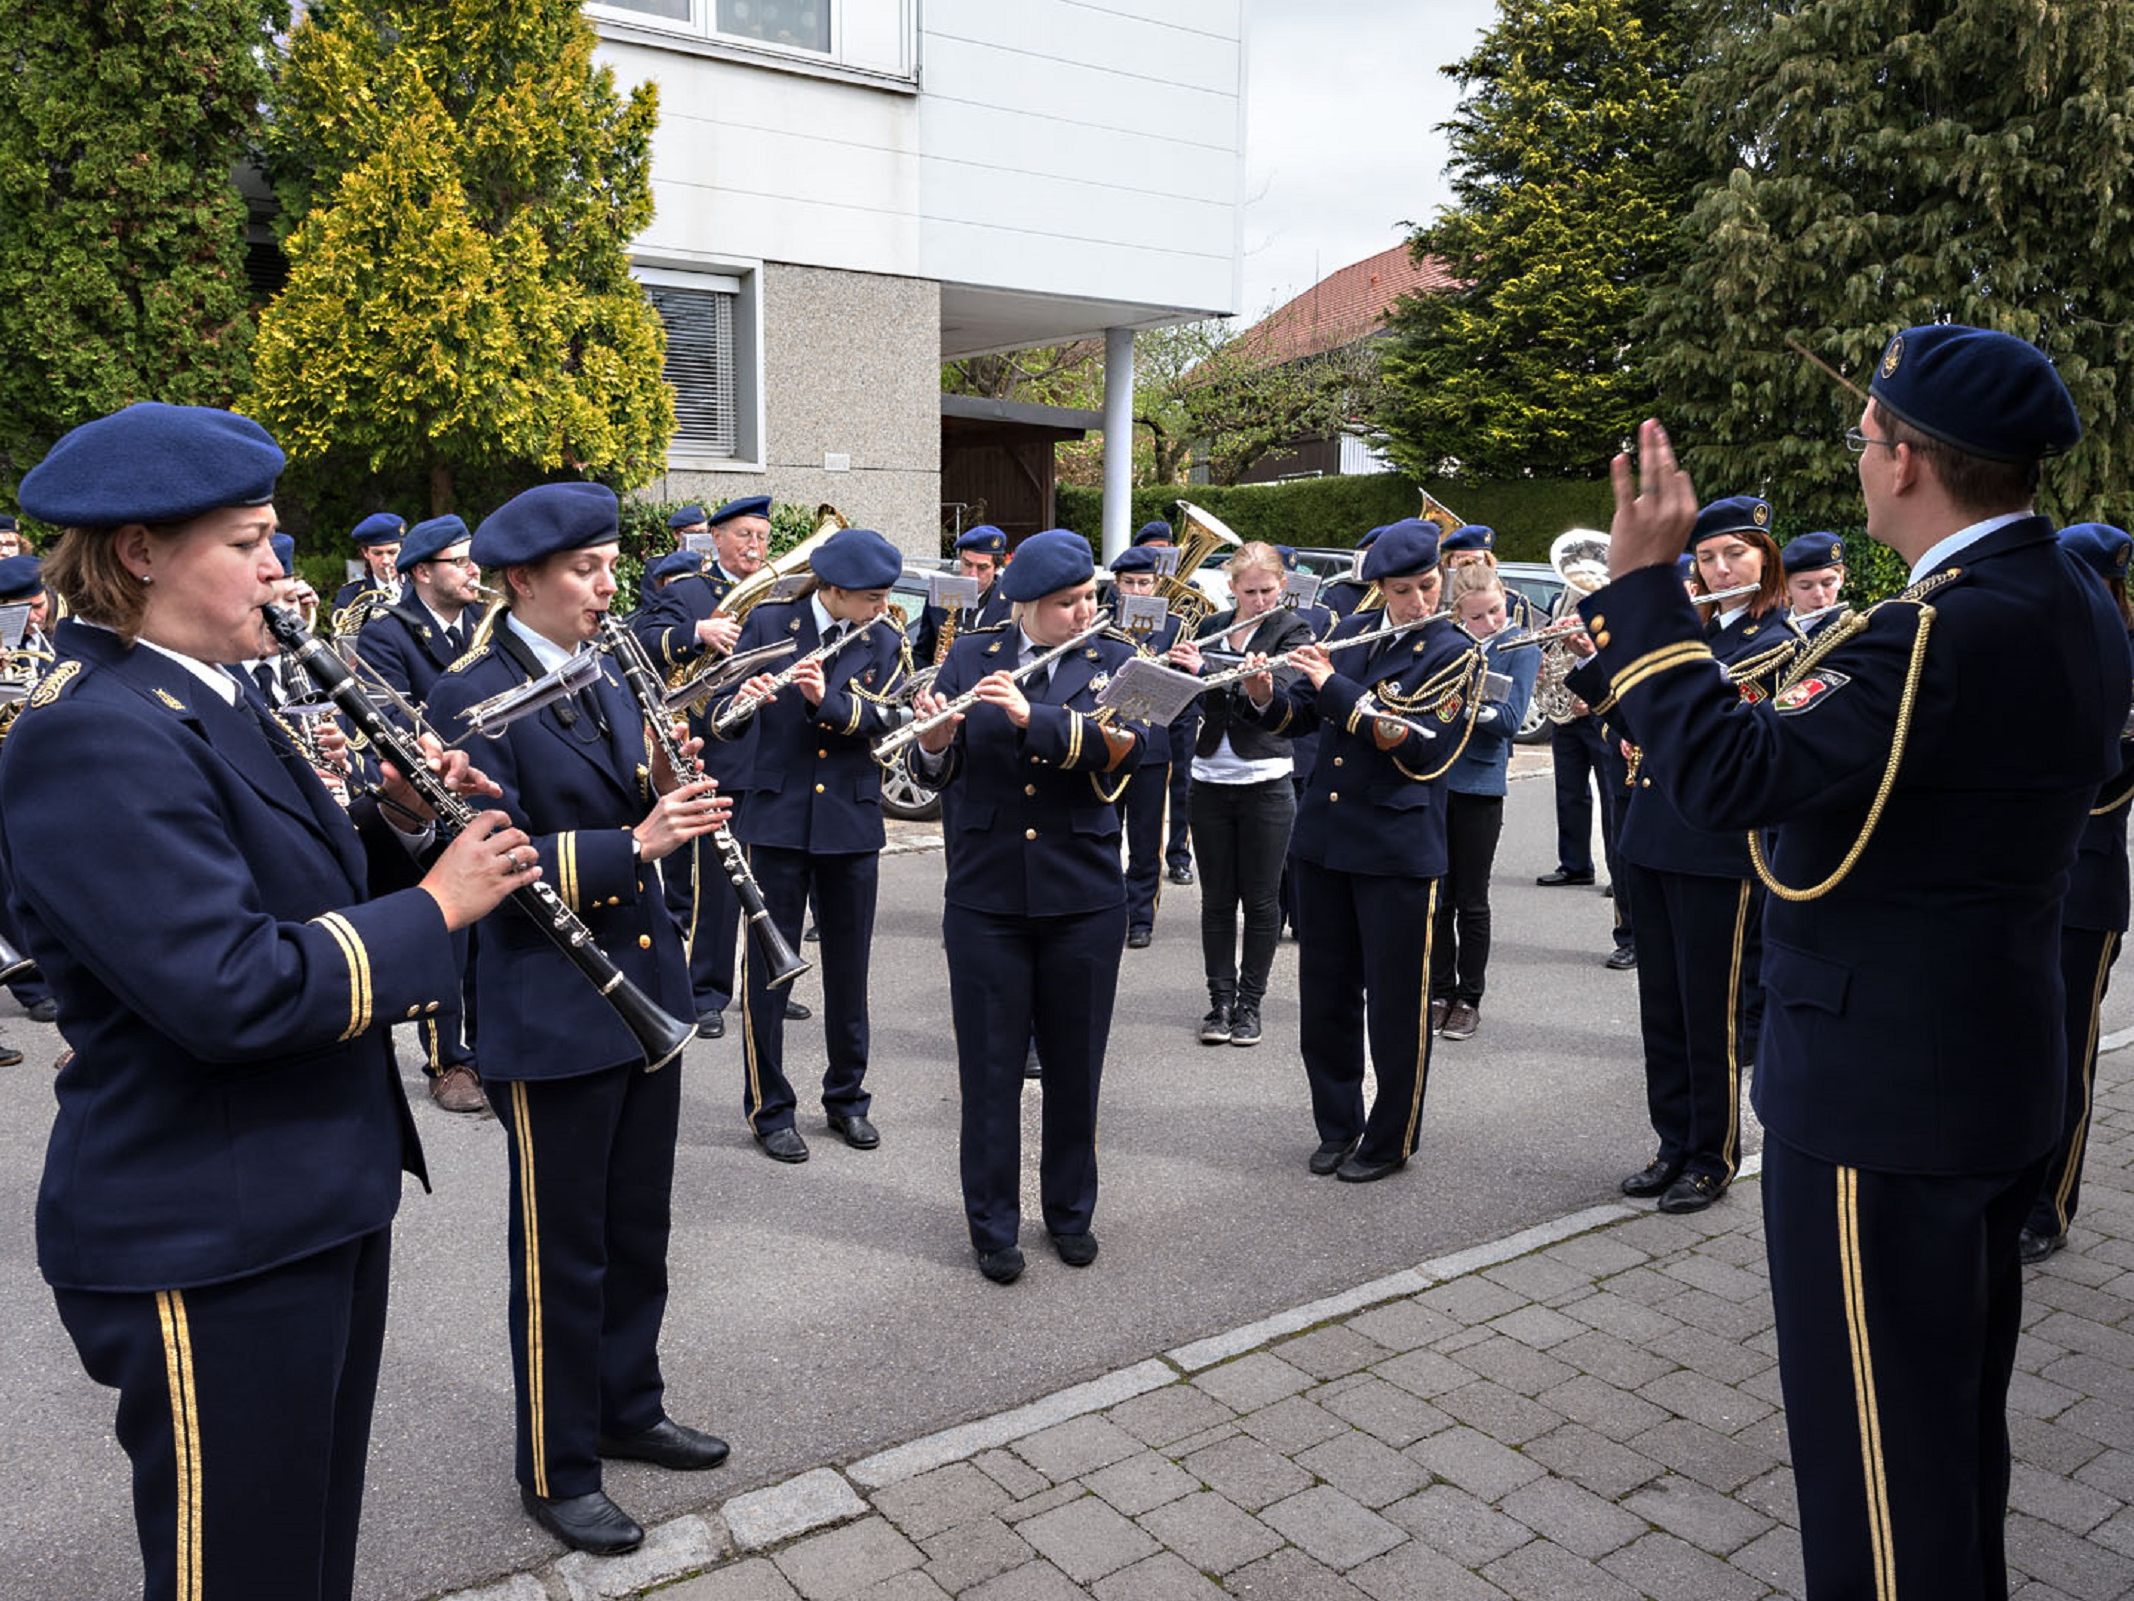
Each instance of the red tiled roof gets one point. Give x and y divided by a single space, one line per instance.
1342 307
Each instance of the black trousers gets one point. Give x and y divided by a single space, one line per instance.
1459 945
844 892
1576 754
1241 835
701 897
1362 962
592 1173
1012 980
245 1409
1178 848
1899 1299
2086 958
1693 941
1141 811
1615 804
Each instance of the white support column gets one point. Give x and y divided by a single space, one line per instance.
1118 441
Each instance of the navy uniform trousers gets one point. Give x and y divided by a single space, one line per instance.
1576 750
1141 810
701 898
1615 802
1692 964
843 887
2086 958
1178 830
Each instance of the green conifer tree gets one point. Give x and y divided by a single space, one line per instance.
1568 177
122 236
1881 163
460 185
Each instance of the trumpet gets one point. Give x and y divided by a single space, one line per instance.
660 1035
892 745
785 963
742 707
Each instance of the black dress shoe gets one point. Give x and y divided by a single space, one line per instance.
1693 1192
784 1145
10 1057
1563 876
1622 959
1180 875
711 1026
1137 939
1031 1067
1330 1155
1076 1250
1357 1171
855 1131
1003 1266
811 935
1651 1179
46 1011
667 1444
590 1523
2032 1248
796 1013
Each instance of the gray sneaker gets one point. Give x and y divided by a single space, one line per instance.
1461 1022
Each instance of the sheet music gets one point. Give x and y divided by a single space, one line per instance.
788 586
14 623
1300 589
1166 559
1147 691
1142 615
952 592
702 544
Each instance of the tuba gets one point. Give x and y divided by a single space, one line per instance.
1580 557
1205 533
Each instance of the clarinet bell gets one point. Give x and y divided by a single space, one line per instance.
784 963
660 1034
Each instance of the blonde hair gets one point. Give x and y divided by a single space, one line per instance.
1258 553
1473 579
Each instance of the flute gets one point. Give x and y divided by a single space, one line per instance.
891 745
742 707
1232 675
659 1034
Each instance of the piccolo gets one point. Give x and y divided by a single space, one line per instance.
659 1034
891 745
1232 675
744 705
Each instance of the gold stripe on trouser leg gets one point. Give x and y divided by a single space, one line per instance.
530 1243
2089 1070
1874 1480
432 1045
696 900
1730 1152
1422 1045
748 1016
185 1437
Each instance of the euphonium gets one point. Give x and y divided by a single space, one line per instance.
1204 534
740 600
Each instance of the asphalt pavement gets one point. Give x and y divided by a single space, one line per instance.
829 1309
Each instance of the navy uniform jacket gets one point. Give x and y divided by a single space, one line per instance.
1036 814
345 596
993 609
1304 748
1654 833
1913 1011
1343 596
667 622
648 590
408 649
1375 807
810 774
227 947
2097 888
578 792
1156 738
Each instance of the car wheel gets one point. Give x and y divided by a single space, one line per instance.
1535 730
905 799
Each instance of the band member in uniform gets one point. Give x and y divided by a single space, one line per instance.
1343 596
2093 925
377 539
1156 534
10 537
981 552
1035 920
812 822
1370 848
22 580
1474 806
229 949
1244 801
677 626
589 1133
1319 620
409 644
661 570
1475 545
1908 1107
1141 808
1815 576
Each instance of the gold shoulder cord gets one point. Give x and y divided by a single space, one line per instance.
1834 636
2112 806
1470 670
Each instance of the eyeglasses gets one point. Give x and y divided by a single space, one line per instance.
454 561
1857 442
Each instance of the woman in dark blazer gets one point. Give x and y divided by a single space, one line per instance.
1244 801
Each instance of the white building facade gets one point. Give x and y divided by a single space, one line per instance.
850 192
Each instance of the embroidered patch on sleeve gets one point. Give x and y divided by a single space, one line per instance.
1798 697
1751 693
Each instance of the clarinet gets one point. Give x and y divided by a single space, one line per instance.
785 963
659 1034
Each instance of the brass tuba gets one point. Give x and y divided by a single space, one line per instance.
1204 534
740 600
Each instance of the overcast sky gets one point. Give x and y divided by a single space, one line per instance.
1343 102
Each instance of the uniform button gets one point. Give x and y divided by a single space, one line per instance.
822 755
1337 761
414 1011
644 942
1644 783
614 900
1029 789
1599 621
818 789
640 886
1333 796
431 1007
1029 833
1603 639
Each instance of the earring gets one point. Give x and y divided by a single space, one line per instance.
148 578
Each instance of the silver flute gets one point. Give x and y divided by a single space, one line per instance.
744 706
891 745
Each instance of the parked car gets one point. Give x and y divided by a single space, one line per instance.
900 796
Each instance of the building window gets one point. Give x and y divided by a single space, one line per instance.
710 318
796 24
876 41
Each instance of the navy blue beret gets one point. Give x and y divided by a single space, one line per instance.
540 521
984 540
22 578
1401 549
1056 559
152 463
1988 394
746 506
857 558
1370 537
379 528
285 552
1685 566
1151 533
2100 546
687 517
1134 559
1812 552
1469 536
674 564
8 525
427 538
1288 553
1737 514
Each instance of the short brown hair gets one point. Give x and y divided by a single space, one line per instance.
1978 485
1770 585
84 570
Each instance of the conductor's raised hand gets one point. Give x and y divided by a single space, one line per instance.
1655 505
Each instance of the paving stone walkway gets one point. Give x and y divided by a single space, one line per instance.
1587 1412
